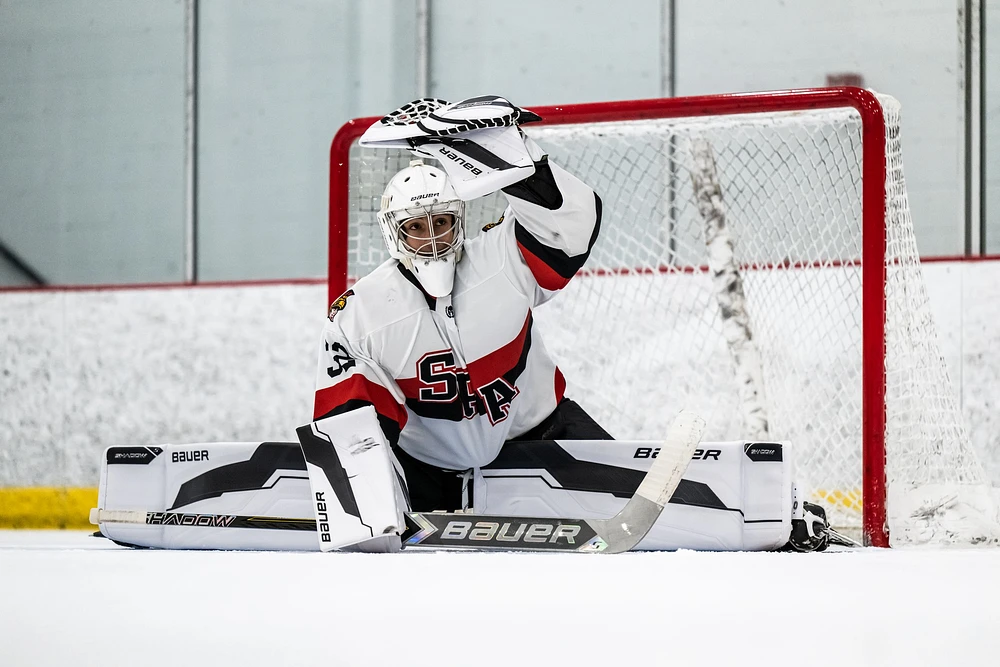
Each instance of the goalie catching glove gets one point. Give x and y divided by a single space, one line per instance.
477 141
430 117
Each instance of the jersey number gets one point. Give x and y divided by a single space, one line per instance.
341 359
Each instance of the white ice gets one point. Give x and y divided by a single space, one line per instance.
69 599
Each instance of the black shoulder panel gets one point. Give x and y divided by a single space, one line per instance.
540 188
554 258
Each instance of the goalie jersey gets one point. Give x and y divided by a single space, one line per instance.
452 378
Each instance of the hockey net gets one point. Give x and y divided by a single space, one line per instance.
756 264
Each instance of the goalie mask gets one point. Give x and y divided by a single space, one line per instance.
423 225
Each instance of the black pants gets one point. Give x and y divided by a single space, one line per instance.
432 488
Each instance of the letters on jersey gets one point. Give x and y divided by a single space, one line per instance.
442 390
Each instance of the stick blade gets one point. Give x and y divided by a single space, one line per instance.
675 454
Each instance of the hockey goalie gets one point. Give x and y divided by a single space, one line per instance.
439 416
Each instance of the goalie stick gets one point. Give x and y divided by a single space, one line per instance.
619 533
482 532
99 516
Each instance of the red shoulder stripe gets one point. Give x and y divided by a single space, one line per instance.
358 387
546 276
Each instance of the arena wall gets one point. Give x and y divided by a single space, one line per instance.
81 370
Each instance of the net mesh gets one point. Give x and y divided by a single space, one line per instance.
644 331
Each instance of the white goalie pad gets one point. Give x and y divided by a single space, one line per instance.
257 496
733 496
193 493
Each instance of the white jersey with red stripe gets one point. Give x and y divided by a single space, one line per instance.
453 378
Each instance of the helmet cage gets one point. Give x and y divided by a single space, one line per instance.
428 246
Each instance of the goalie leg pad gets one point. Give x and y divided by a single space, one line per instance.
191 491
734 496
257 496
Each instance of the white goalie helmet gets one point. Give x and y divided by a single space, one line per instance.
423 225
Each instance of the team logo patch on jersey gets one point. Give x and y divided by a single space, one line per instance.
340 303
491 225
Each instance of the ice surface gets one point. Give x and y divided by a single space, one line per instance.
68 599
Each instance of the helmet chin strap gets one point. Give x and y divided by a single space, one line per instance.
436 276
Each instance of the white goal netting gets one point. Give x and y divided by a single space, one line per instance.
728 279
